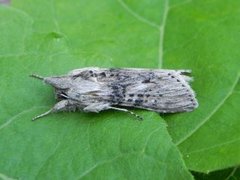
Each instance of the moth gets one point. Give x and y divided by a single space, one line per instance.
96 89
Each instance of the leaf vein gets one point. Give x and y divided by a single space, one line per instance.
148 138
162 32
9 121
232 173
48 159
136 15
5 177
215 146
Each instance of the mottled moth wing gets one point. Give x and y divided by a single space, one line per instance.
165 91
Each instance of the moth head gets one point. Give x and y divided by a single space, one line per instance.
58 82
62 82
61 85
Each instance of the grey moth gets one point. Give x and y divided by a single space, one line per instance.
96 89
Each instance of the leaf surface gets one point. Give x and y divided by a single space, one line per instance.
51 38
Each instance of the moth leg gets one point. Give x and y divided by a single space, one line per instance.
125 110
96 107
60 106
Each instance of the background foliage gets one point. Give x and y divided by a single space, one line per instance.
53 37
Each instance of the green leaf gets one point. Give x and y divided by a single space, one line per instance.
208 138
50 38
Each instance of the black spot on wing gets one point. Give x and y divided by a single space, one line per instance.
138 102
146 81
118 93
103 74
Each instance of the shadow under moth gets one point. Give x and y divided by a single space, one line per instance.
96 89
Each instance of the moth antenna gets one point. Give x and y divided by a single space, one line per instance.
37 76
41 115
130 112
